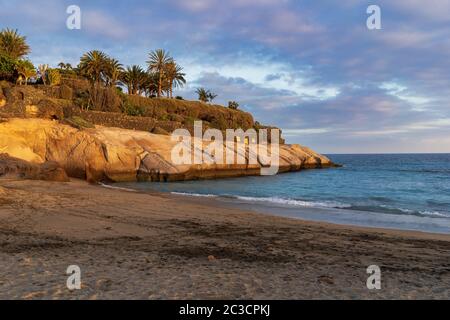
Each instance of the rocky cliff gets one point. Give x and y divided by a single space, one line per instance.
115 154
110 108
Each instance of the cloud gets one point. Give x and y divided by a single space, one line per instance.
434 10
272 77
97 23
312 68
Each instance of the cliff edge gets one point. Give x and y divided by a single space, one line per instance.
117 155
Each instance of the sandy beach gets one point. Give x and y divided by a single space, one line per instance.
132 245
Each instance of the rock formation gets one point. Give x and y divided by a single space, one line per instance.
17 168
115 154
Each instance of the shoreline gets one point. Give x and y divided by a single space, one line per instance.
213 201
137 245
331 215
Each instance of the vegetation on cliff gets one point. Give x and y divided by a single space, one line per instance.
98 84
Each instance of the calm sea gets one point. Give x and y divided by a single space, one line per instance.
400 191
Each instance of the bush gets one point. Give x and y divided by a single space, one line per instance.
79 122
176 117
7 67
82 99
53 77
132 110
179 98
233 105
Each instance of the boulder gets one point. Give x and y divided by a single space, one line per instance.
49 109
18 168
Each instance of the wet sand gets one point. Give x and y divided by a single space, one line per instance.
132 245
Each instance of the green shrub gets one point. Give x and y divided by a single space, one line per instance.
79 122
132 110
176 117
179 98
82 99
164 117
7 67
53 77
233 105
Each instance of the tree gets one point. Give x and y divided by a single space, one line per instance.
157 62
12 44
174 76
93 64
233 105
151 84
66 70
134 78
25 71
211 96
203 94
7 67
113 71
65 66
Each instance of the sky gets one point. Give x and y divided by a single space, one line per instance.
312 68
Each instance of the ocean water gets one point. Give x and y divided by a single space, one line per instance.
399 191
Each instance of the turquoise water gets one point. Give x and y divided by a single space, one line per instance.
407 191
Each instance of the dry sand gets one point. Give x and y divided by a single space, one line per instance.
139 246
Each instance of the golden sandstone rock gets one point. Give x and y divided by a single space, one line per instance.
114 154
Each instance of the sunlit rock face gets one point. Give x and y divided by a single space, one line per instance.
115 154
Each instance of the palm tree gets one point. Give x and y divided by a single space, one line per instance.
113 71
157 62
151 84
203 94
211 96
12 44
65 66
93 64
26 70
134 78
174 76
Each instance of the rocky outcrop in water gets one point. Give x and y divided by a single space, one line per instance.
115 154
